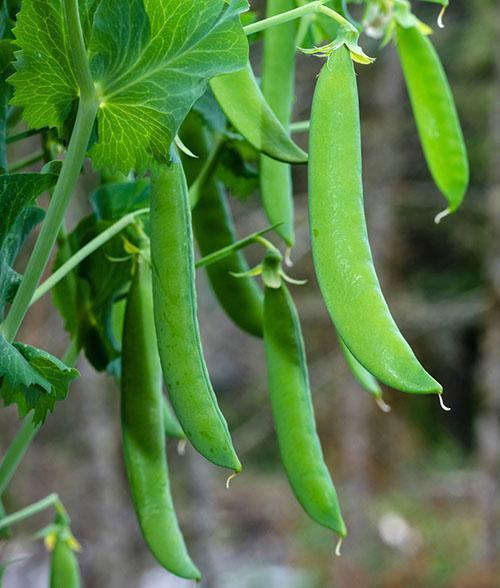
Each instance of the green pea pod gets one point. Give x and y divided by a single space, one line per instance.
214 229
171 425
175 306
293 411
64 570
362 375
278 77
341 251
244 105
435 114
143 431
364 378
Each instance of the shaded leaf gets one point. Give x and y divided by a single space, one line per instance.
32 379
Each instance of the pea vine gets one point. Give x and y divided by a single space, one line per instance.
160 98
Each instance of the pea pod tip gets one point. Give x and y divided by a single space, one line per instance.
231 478
443 405
338 547
439 217
384 407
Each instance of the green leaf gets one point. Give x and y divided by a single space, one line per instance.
111 202
86 297
17 219
17 191
16 371
239 176
45 83
6 56
32 379
150 60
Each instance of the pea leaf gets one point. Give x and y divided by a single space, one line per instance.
45 83
6 56
150 61
87 297
17 218
32 379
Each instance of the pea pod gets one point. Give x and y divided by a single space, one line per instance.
341 251
64 570
365 379
293 411
435 114
143 431
244 105
214 229
278 77
171 425
176 322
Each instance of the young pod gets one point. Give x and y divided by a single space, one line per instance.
64 570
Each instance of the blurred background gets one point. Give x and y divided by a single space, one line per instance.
419 487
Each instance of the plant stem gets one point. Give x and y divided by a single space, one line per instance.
300 126
16 452
310 8
205 174
24 437
50 501
27 161
87 110
84 252
53 221
226 251
78 50
22 136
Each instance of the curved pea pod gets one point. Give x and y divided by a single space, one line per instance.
177 329
435 114
293 411
244 105
278 77
143 431
213 225
341 251
64 570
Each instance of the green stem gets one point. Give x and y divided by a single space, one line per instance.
226 251
310 8
205 174
24 437
337 18
16 452
55 216
50 501
300 126
85 118
78 50
26 161
84 252
22 136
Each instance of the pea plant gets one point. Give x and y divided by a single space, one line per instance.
161 98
